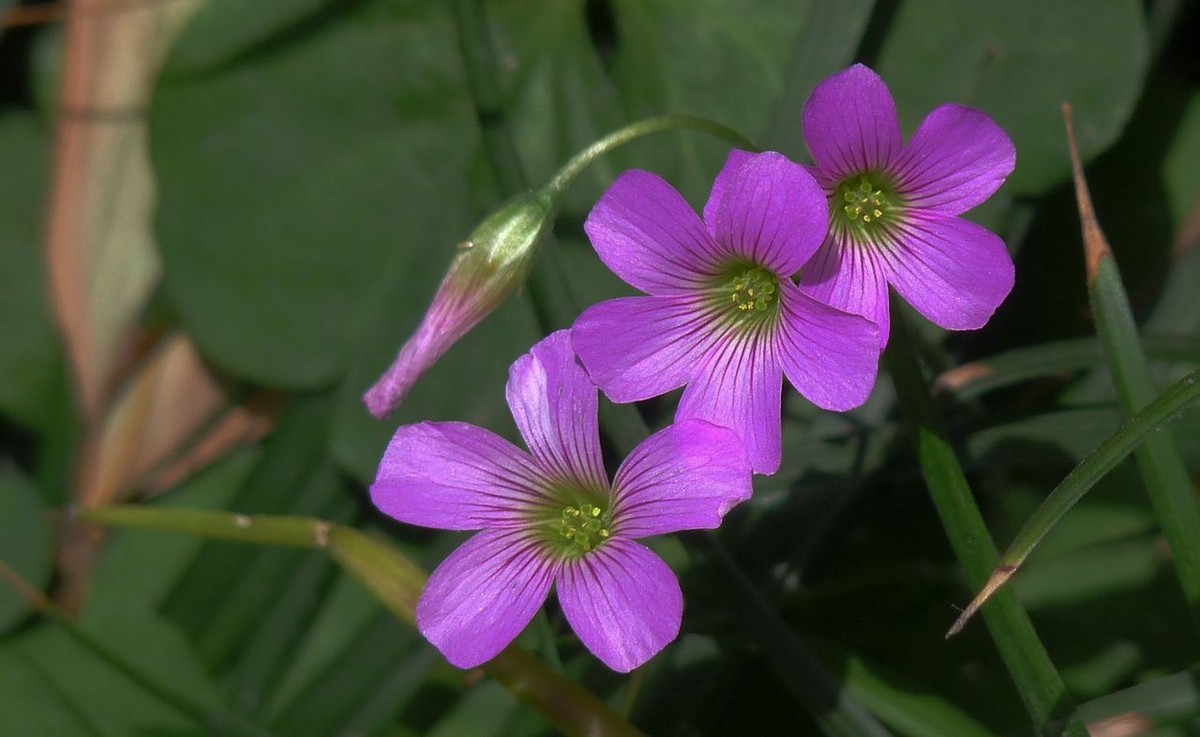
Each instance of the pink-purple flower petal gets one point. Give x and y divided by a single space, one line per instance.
830 356
650 236
635 348
847 275
555 406
955 272
850 124
456 476
740 386
684 477
461 302
726 178
482 596
957 159
623 602
772 213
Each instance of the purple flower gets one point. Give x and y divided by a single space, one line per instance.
894 208
494 261
722 315
554 518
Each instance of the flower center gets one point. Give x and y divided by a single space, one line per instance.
585 527
747 293
865 203
753 290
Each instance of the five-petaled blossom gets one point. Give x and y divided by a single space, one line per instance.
553 518
722 314
894 208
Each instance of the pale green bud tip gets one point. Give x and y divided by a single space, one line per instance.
510 236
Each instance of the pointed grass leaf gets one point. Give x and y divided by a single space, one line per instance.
1108 454
1159 460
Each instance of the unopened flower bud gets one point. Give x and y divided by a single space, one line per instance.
494 261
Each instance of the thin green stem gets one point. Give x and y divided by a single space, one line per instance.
640 129
553 303
1037 681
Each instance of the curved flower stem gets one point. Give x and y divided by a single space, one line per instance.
1037 681
553 303
634 131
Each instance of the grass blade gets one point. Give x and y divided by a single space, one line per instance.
1161 466
1134 432
1039 684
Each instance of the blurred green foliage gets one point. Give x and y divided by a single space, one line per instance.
318 160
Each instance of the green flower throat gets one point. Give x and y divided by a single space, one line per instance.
748 294
585 526
865 204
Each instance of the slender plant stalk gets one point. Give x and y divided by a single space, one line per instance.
1037 681
640 129
1159 462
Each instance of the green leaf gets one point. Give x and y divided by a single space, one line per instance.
30 349
102 698
831 31
397 582
25 541
1052 358
484 712
986 54
338 165
905 707
31 704
226 29
138 568
1090 574
1164 699
838 713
